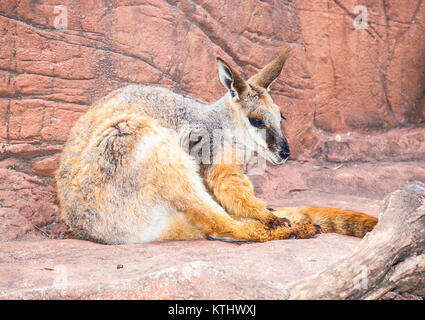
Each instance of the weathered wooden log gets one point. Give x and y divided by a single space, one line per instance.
390 258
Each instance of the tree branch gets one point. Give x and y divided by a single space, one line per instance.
390 258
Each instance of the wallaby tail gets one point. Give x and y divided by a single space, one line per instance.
329 220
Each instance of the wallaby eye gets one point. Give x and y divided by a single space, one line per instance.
282 117
256 122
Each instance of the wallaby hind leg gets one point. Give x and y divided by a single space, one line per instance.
329 220
179 184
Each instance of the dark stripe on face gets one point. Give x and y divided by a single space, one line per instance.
271 140
277 144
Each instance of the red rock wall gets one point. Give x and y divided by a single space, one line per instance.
366 85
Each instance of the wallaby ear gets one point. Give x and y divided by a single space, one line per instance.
231 80
266 76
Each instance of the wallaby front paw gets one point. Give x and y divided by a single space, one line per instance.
318 229
275 222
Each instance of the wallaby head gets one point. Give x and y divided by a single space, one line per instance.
257 119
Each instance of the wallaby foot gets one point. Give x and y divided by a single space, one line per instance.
257 231
327 220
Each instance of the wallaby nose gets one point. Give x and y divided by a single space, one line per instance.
284 153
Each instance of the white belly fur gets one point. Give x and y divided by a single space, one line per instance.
156 224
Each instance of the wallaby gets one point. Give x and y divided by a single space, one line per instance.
128 173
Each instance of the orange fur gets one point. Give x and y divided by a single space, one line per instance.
232 188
